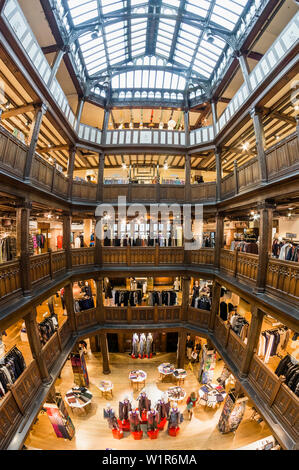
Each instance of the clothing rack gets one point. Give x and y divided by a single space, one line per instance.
8 352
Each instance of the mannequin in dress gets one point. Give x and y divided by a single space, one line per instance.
149 342
142 345
135 420
135 346
110 416
152 420
125 407
175 417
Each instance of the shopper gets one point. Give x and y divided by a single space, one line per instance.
189 346
191 402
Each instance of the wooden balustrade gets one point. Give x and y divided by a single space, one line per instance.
139 255
114 255
42 173
142 314
60 183
172 192
10 417
283 279
10 279
169 314
228 186
221 331
202 256
83 256
51 351
84 190
40 268
171 255
199 317
65 333
284 403
228 261
235 347
86 318
143 192
115 314
283 157
248 175
58 260
203 192
13 153
247 266
26 386
112 191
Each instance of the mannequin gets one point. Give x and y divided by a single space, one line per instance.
175 417
144 288
125 407
135 346
143 402
111 418
163 408
176 284
2 346
87 289
134 418
142 345
152 420
149 342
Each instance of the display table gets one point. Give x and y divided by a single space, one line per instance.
176 394
267 443
165 370
211 395
78 398
137 378
106 387
180 375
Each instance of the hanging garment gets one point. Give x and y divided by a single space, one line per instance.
152 420
111 418
149 342
142 344
59 242
135 345
223 310
144 403
134 418
124 408
175 418
163 409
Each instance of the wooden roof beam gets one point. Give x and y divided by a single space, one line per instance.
17 111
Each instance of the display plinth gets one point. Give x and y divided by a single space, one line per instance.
137 435
162 423
153 434
117 433
149 356
124 425
133 356
173 431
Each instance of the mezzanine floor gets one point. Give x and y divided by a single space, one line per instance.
92 431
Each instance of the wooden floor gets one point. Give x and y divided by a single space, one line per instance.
92 431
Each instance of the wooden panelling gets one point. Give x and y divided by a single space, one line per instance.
27 384
221 331
228 187
60 184
86 318
172 192
236 348
142 255
143 314
143 192
58 261
12 153
286 407
10 279
248 175
115 314
203 192
198 317
84 190
112 191
283 157
228 261
51 351
283 278
202 256
114 255
169 314
42 173
65 333
247 266
171 255
10 416
40 268
82 256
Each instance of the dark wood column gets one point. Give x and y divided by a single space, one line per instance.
105 354
100 306
185 297
265 238
219 238
163 342
35 345
22 226
66 226
187 127
218 173
105 124
98 245
236 177
70 171
121 342
36 125
100 177
187 178
253 339
256 116
215 305
181 349
69 305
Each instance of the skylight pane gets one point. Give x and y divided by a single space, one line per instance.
130 79
152 79
222 22
138 79
235 7
145 79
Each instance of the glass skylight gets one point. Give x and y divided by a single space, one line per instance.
120 32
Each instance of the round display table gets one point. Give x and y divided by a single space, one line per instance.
177 394
165 370
75 401
211 395
137 379
106 387
180 375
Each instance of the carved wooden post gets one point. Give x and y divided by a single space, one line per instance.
69 304
50 262
100 314
253 339
36 125
187 178
218 173
181 349
219 238
22 227
105 353
67 221
70 171
215 305
236 177
185 297
260 143
265 238
100 191
35 345
98 245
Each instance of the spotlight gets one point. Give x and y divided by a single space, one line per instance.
245 146
7 105
210 38
95 34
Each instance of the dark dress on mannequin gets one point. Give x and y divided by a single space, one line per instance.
163 410
111 418
144 403
175 418
152 420
134 418
124 408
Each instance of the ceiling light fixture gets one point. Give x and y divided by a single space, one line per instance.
245 146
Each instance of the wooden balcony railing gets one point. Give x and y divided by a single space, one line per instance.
283 278
84 190
40 268
83 256
10 279
13 153
203 256
65 333
203 192
51 351
58 261
282 157
284 403
199 317
221 331
235 347
86 318
247 266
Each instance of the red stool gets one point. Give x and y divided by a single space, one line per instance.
153 434
117 433
124 425
173 431
162 423
137 435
